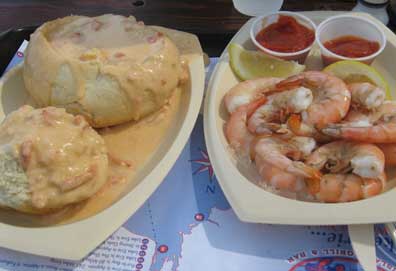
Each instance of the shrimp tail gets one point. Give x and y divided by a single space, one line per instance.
312 179
272 128
294 123
313 185
307 171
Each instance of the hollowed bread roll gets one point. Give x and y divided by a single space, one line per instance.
110 69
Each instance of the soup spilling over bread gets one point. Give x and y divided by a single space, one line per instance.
104 96
110 69
48 159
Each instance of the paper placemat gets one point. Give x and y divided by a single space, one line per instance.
188 225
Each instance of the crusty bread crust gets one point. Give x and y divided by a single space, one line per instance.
95 84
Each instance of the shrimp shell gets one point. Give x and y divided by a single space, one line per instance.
378 126
352 171
330 103
248 91
366 95
278 106
236 131
273 155
348 187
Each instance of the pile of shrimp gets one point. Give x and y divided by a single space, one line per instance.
313 136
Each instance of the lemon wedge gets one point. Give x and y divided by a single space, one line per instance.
253 64
353 71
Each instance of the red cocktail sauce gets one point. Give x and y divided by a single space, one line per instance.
352 46
286 35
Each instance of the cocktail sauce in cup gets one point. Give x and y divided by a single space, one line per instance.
283 34
349 37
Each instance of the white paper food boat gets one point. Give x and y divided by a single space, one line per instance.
75 240
250 202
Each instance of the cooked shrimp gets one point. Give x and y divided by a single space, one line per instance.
305 145
119 162
378 126
331 101
348 187
365 160
76 181
389 151
278 179
248 91
236 130
276 162
26 153
277 107
352 171
366 95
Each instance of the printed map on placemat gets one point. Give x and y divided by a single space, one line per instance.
188 225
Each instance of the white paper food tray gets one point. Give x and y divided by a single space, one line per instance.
250 202
74 241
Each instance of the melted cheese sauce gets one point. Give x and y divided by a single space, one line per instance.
134 144
60 153
114 37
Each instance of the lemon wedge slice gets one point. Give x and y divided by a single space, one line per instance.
253 64
354 71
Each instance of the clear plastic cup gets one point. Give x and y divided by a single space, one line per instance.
348 25
263 21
